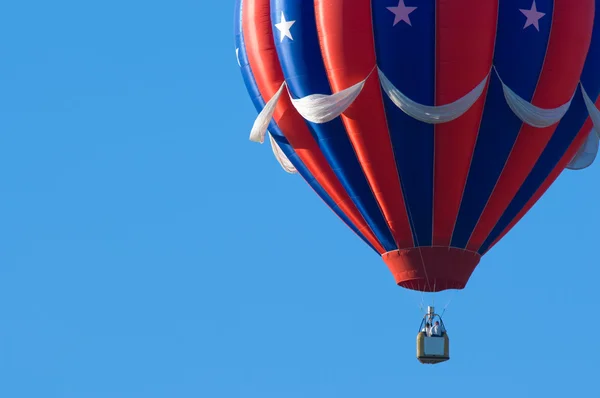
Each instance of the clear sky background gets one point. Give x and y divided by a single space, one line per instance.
149 249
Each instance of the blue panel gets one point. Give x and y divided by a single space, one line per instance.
406 55
564 135
519 58
305 74
278 136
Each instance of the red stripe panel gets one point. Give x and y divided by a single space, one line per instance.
465 37
567 157
568 45
267 71
346 38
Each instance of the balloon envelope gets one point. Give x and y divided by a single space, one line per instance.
429 127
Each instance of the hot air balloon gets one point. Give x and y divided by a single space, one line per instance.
430 127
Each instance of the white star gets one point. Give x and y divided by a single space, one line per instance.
284 27
401 12
533 16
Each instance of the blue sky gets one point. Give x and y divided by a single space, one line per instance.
148 249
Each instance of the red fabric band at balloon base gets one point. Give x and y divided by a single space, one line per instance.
431 269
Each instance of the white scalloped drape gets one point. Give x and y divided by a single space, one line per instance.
592 110
281 158
259 129
321 108
531 114
587 153
431 114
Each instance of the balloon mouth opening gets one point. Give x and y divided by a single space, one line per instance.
431 269
423 285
